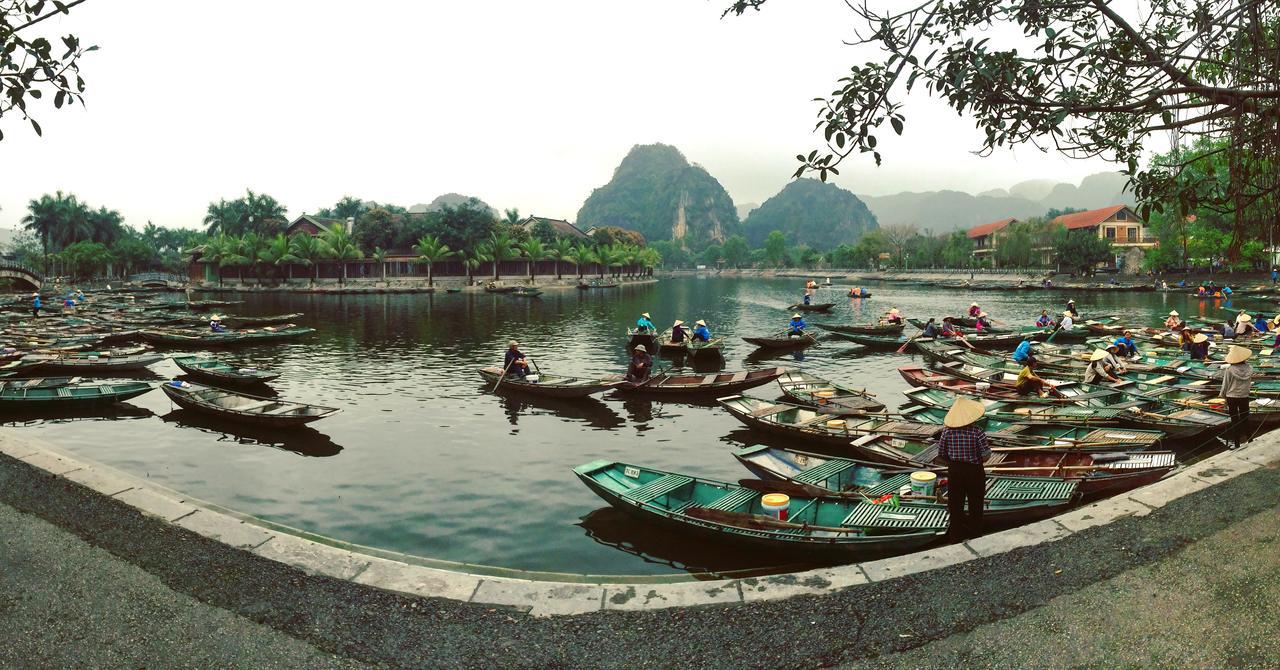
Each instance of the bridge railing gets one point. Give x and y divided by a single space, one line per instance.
156 276
21 267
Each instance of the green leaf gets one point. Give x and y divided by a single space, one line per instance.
896 123
36 126
57 99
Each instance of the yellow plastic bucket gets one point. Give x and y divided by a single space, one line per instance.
824 396
923 483
776 505
836 424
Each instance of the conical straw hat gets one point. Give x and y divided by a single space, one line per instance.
1238 354
962 413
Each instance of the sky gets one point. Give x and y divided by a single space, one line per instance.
523 104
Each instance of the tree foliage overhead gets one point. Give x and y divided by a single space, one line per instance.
810 212
31 65
656 192
1085 77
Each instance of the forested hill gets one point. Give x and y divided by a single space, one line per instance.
656 192
813 213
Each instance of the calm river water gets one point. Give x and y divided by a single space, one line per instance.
425 461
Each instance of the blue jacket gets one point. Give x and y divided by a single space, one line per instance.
702 333
1128 345
36 303
644 324
798 324
1260 324
1022 352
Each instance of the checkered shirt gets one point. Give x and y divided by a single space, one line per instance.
964 445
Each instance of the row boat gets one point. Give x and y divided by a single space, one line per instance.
831 398
213 371
812 307
550 385
867 329
92 362
783 339
40 393
243 408
709 385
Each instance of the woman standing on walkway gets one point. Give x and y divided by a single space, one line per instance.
964 448
1237 382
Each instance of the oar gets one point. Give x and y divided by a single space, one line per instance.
903 349
742 520
502 376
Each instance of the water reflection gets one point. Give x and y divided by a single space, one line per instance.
304 441
116 412
590 411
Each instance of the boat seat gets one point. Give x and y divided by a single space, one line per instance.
1030 488
1118 435
832 468
657 488
890 485
283 409
767 409
887 516
64 392
732 500
254 406
737 377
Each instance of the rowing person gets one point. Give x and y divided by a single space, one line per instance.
700 331
974 310
931 329
515 363
641 364
797 326
215 324
949 328
1071 307
982 323
677 332
893 317
1067 323
644 325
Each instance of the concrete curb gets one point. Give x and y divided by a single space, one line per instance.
577 594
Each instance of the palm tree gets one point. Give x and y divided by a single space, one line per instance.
231 253
473 260
581 256
379 256
629 254
499 249
511 217
560 250
612 256
533 250
430 249
217 249
42 218
251 247
309 251
279 251
337 244
649 258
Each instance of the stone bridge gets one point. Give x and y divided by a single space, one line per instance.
21 273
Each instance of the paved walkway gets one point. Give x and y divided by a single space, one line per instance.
88 581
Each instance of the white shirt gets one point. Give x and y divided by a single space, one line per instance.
1067 323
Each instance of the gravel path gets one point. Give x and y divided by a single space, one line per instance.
185 599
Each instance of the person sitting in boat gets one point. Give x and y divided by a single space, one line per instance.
1244 327
855 292
644 325
700 331
215 324
982 322
797 326
1029 382
641 364
1113 360
1067 323
1044 321
1125 342
677 332
1048 283
515 363
1186 337
1198 350
1228 331
931 328
974 310
1202 291
1226 291
1097 371
1261 324
1023 353
893 317
1173 321
949 328
1071 307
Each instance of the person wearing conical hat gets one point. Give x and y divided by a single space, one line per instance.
1098 369
514 362
1198 350
36 305
677 332
645 325
1245 327
1173 322
700 331
797 326
641 364
215 324
974 310
1071 307
982 322
894 317
964 447
1237 385
1067 323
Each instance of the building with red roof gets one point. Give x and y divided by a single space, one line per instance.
985 237
1121 226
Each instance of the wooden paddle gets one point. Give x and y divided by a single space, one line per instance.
903 349
502 376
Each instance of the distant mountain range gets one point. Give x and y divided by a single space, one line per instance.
944 211
450 200
810 212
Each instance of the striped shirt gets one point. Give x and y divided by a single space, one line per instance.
964 445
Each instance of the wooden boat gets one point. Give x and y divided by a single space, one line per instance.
1010 499
711 385
886 342
724 512
188 338
594 284
553 386
1095 474
666 346
453 290
490 288
782 340
17 368
526 292
251 321
217 372
243 408
697 349
84 363
867 329
812 391
205 305
636 336
64 392
812 307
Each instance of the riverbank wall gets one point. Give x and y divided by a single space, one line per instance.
407 285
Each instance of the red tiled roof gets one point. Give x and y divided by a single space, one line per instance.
561 227
1090 218
988 228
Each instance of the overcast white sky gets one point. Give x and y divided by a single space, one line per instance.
523 104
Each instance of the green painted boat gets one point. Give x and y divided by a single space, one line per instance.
783 340
216 372
867 329
699 350
195 339
38 394
725 512
812 307
92 362
813 391
270 412
1010 500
